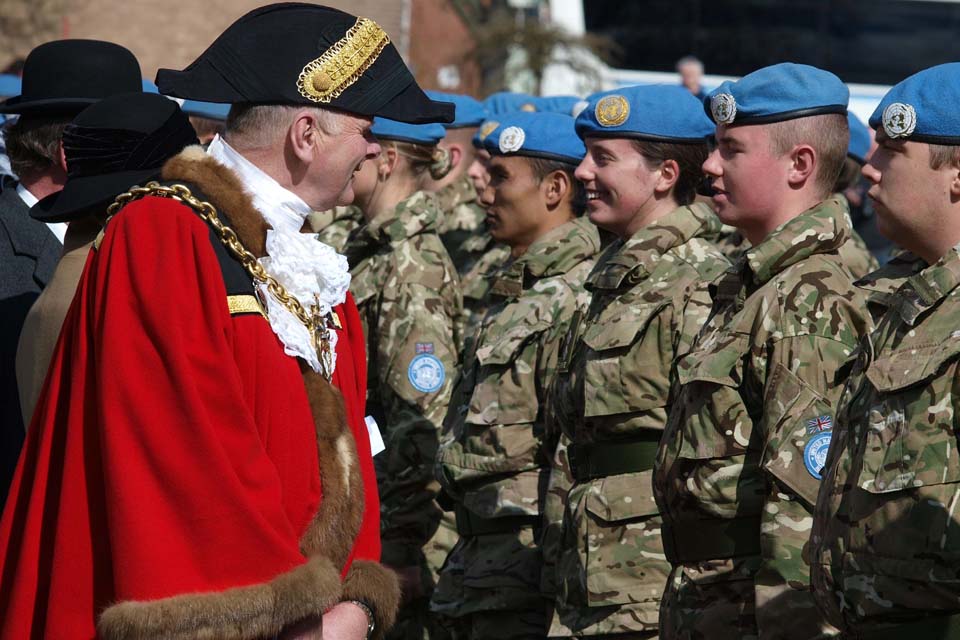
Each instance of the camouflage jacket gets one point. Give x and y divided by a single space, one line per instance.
855 254
886 535
494 459
334 226
738 469
650 298
408 295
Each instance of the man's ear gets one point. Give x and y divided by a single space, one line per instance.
556 186
803 165
63 157
304 135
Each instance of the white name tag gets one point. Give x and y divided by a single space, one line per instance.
376 440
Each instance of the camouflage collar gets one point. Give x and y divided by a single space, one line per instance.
927 288
881 285
821 229
554 254
458 192
320 220
417 214
637 257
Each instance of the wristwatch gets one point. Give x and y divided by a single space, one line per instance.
371 621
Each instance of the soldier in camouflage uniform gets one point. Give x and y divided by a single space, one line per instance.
408 295
886 533
494 458
645 146
334 226
736 475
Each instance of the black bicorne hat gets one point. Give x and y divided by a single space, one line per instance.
113 145
306 54
64 77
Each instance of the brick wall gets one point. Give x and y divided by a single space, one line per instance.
172 33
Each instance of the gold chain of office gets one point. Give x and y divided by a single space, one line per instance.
312 320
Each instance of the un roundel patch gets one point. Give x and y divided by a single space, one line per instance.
612 111
426 373
815 453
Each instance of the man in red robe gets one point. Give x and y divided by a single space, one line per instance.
190 470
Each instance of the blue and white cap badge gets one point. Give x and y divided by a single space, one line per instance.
899 120
612 111
723 106
511 139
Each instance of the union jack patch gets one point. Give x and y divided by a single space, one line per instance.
423 347
819 424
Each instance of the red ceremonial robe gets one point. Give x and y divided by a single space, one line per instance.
182 476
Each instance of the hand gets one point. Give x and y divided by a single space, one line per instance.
308 629
345 621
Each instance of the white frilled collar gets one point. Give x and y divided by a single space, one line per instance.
310 270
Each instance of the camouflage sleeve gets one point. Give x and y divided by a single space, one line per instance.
801 390
691 320
416 345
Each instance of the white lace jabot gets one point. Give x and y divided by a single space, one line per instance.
309 270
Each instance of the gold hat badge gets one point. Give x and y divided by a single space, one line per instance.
342 64
612 111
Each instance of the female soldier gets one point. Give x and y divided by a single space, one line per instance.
645 146
408 293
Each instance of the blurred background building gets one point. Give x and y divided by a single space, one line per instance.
550 46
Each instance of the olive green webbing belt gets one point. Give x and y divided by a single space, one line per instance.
470 524
602 459
701 540
934 628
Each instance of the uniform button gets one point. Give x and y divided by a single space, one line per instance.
881 485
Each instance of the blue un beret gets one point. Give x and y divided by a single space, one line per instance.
507 101
557 104
923 107
470 113
779 92
386 129
667 113
10 85
211 110
860 138
540 135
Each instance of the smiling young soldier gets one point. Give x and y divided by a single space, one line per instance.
739 463
886 534
494 457
645 146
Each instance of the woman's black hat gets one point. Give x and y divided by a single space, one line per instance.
111 146
64 77
306 54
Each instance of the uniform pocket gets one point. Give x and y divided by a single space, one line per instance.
799 435
625 372
506 390
617 525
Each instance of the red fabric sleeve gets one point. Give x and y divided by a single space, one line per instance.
193 500
350 377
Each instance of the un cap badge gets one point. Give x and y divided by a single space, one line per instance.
511 139
899 120
488 127
723 106
612 111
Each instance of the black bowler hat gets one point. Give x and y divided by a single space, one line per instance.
305 54
64 77
111 146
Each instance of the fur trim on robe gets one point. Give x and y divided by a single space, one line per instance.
262 610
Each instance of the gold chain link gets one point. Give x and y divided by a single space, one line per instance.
314 322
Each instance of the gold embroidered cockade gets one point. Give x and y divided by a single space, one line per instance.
342 64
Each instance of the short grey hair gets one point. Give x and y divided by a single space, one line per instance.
261 125
689 60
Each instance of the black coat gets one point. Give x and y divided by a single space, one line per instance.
29 252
